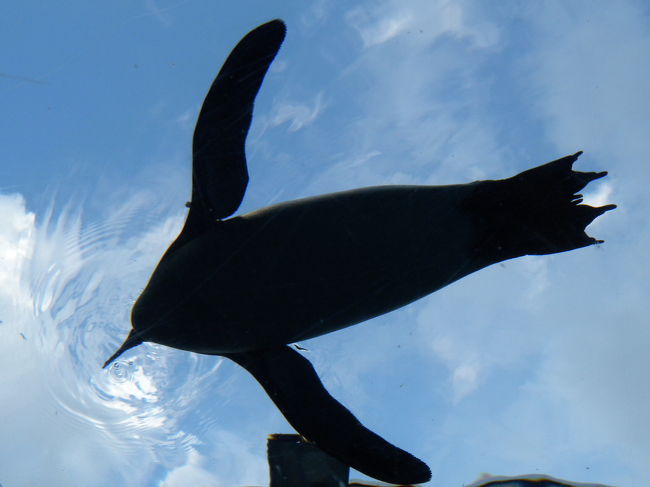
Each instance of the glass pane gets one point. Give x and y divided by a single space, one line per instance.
535 365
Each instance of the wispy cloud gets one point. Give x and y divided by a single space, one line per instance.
424 20
192 473
418 109
298 115
22 78
160 14
382 29
317 12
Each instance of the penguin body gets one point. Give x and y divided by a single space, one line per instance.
245 287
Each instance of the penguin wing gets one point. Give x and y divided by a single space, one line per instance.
292 383
219 174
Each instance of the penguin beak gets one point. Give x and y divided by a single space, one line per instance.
133 340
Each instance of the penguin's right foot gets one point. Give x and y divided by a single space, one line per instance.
538 211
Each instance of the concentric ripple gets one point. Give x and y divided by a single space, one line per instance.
79 285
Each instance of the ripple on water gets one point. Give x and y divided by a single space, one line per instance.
120 371
83 284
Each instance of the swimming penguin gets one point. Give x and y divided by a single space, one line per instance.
245 287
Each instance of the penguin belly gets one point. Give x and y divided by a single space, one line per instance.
304 268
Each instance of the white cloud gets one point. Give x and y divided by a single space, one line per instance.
16 248
479 327
383 29
299 115
588 73
160 14
426 20
192 473
317 12
65 294
595 97
464 381
602 194
403 109
187 119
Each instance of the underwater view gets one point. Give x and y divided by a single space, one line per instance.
534 365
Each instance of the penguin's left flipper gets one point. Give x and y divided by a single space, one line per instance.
292 383
219 173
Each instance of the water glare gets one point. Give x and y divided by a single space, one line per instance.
67 291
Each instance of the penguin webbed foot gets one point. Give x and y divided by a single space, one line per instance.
539 211
562 216
557 215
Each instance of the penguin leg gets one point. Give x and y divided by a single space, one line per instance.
292 383
535 212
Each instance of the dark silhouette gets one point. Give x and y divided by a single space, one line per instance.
247 286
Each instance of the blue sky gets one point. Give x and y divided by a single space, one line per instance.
538 365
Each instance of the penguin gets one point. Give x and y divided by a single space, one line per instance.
245 287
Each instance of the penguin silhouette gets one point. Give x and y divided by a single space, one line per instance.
245 287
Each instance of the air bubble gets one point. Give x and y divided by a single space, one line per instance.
120 372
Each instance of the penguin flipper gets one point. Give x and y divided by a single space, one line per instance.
292 383
219 173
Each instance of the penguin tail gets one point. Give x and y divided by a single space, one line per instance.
536 212
293 385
